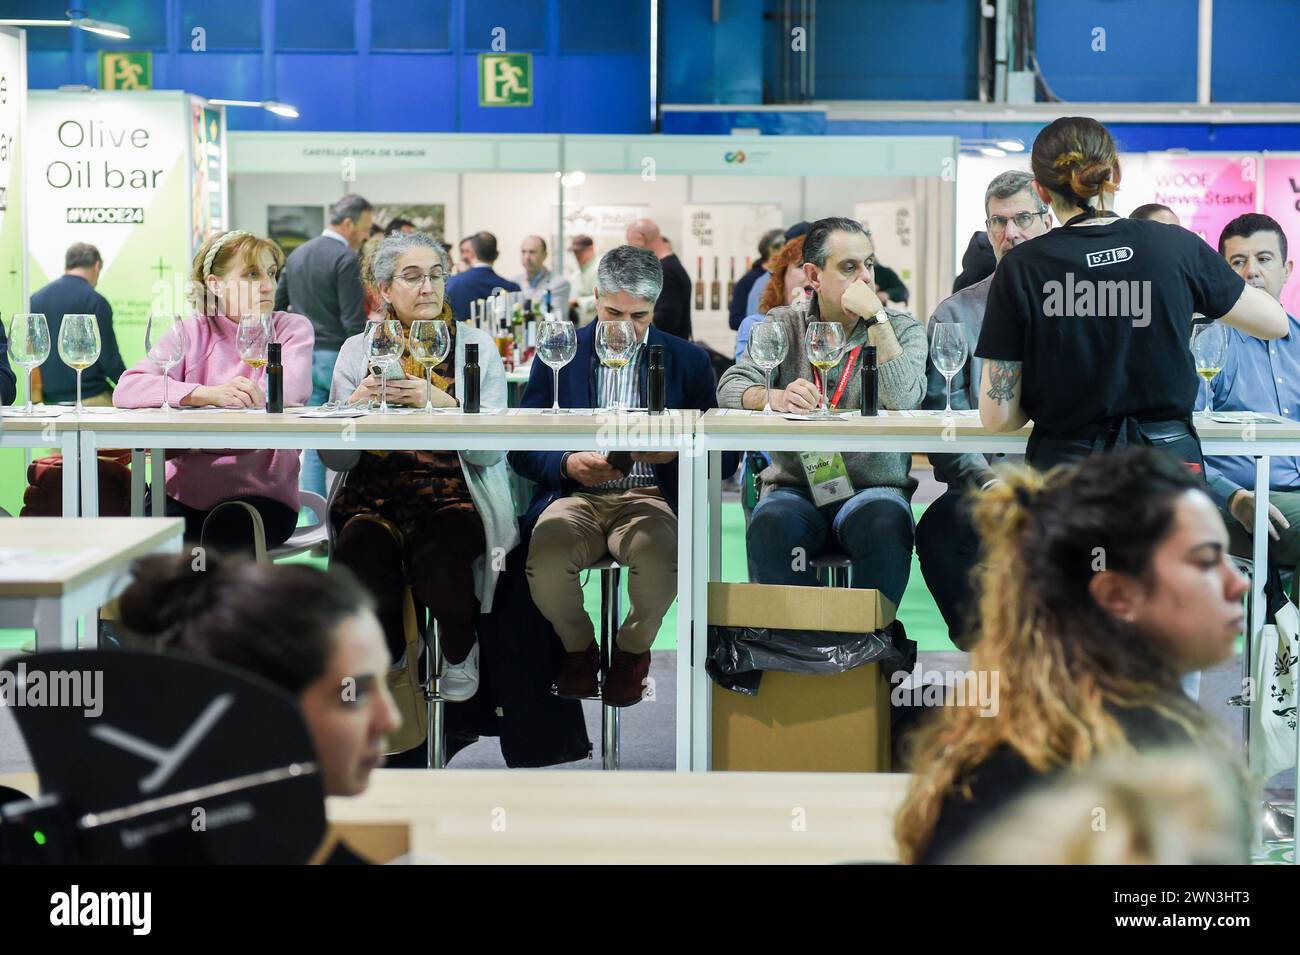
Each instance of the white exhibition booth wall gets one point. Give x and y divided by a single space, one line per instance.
713 197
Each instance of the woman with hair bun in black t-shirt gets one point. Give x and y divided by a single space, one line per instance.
1087 327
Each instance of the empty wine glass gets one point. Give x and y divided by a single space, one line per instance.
430 341
1209 348
29 346
948 350
768 345
79 346
825 344
615 346
164 345
385 343
557 342
253 337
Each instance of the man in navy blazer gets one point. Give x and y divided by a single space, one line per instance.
479 279
584 509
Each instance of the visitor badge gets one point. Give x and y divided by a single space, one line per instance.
827 476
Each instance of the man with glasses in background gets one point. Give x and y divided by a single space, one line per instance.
946 542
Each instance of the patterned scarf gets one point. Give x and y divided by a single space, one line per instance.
444 374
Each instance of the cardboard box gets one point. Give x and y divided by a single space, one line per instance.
803 722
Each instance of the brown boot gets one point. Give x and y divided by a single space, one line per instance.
625 681
579 674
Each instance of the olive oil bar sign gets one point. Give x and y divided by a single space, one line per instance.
111 169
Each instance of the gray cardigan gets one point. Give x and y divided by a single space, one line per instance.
902 386
485 471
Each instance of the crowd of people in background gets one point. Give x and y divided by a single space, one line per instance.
1093 660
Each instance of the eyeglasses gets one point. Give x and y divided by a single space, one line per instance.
1023 221
414 280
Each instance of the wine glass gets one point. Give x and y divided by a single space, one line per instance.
768 345
164 345
1209 347
79 346
948 350
615 344
825 344
253 337
557 342
29 346
430 341
385 343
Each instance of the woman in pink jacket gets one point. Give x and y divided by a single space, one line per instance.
234 274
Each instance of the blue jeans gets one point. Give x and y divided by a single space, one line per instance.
874 529
949 551
322 375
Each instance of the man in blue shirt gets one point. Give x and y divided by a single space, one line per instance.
1260 376
74 293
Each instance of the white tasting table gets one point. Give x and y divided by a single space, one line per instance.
56 570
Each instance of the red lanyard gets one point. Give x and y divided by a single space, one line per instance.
844 378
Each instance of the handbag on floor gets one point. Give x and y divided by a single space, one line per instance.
407 687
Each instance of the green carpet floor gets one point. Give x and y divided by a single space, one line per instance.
918 612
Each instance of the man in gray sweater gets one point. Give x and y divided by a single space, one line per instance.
946 542
856 503
322 280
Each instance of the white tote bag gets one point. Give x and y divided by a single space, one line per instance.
1273 703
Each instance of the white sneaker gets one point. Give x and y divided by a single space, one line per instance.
460 680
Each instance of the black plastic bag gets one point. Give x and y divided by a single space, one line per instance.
739 655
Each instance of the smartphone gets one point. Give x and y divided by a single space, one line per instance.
620 461
392 371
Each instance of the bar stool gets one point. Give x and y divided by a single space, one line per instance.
611 577
611 574
837 568
435 738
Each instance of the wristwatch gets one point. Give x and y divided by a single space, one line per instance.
875 320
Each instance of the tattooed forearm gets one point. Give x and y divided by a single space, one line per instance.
1003 378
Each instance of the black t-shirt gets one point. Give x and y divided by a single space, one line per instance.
1100 316
1005 776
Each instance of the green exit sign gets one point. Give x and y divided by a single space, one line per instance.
125 70
505 79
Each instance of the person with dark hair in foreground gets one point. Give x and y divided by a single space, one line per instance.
313 634
1131 587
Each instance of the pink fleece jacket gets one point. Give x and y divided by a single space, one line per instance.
202 479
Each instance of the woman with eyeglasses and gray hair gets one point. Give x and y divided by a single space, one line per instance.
439 522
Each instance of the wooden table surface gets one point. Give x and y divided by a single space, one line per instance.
103 545
561 816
